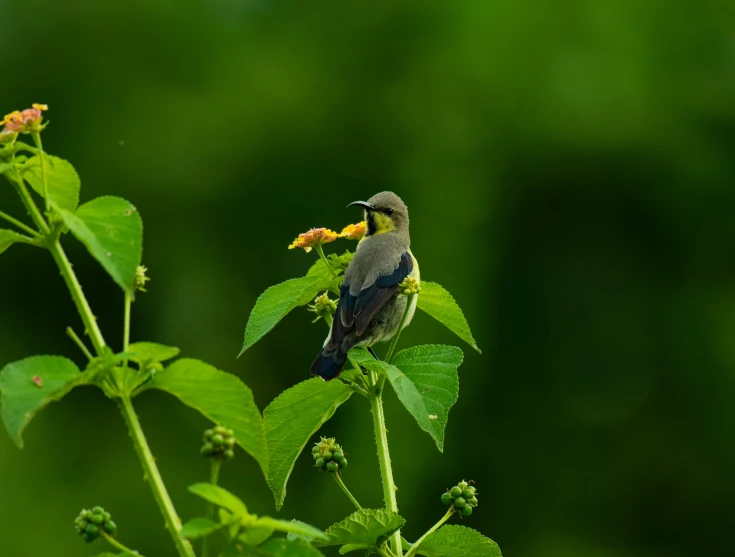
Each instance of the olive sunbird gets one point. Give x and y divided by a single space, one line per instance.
370 307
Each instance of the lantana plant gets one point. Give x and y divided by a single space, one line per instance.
424 377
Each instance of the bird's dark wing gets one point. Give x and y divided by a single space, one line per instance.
357 311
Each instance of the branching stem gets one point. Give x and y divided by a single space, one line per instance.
73 336
320 251
213 479
25 228
120 547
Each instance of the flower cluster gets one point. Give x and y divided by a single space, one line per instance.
323 306
409 286
90 523
354 231
314 238
26 121
463 496
219 443
141 278
328 455
319 236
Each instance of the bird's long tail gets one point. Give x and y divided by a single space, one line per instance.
329 363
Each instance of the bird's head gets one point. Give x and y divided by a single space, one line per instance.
384 212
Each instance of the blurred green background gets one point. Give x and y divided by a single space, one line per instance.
570 173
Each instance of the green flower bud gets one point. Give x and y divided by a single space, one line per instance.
456 492
332 466
338 456
447 498
98 519
463 485
409 286
468 493
110 527
327 456
459 502
472 502
343 463
92 531
208 434
207 449
218 439
229 454
323 306
320 462
316 455
466 511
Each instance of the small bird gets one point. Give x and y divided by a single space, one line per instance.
370 308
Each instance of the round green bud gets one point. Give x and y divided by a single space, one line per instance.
106 516
98 519
463 485
92 530
207 449
332 466
328 456
229 453
468 493
456 491
316 449
208 434
88 515
110 527
338 455
217 439
447 498
466 511
229 442
472 502
98 510
343 463
320 462
316 456
459 502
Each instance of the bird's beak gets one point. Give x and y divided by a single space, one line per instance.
364 204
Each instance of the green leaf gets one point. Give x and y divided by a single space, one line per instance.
350 547
367 527
426 381
440 304
151 352
62 181
220 497
281 547
112 231
219 396
295 527
200 527
28 385
277 301
291 419
5 166
8 238
458 541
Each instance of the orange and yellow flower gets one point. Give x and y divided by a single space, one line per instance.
26 121
354 231
314 237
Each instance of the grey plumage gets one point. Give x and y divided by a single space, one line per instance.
370 309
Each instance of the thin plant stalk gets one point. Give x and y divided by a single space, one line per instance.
343 487
415 547
320 251
213 479
25 228
120 547
75 338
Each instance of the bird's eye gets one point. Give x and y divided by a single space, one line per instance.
388 212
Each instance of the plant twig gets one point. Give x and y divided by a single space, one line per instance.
320 251
126 326
341 484
213 479
72 335
117 545
153 477
415 547
42 158
23 227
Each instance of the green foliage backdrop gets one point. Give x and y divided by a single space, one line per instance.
570 175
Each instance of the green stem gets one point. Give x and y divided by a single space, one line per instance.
72 335
213 479
381 439
153 476
41 156
85 312
392 348
320 251
120 547
23 227
27 200
341 484
126 325
414 547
